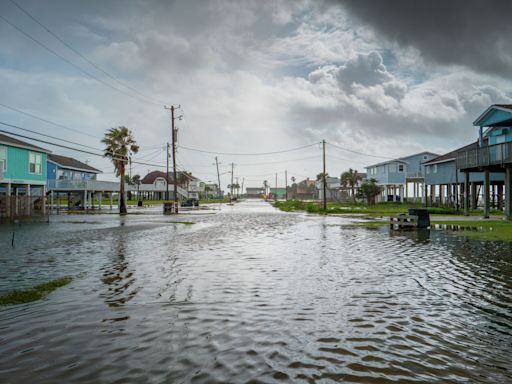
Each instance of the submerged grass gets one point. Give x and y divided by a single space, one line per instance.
34 293
494 230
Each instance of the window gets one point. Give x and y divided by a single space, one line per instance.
425 157
35 163
435 168
427 169
400 167
3 158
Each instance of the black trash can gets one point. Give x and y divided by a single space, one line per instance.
423 216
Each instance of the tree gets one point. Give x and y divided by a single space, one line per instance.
369 190
120 145
350 179
320 176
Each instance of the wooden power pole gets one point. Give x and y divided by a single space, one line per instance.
167 174
174 139
324 178
218 176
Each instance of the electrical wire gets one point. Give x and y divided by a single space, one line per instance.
360 153
246 154
87 73
81 55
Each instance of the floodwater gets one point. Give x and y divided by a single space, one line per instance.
249 294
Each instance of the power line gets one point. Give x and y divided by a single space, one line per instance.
46 121
361 153
73 149
246 154
81 55
73 64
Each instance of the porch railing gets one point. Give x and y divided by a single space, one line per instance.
497 154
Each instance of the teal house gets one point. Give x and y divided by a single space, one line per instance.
22 177
491 154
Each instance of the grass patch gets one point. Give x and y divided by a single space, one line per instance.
88 212
34 293
493 230
182 222
379 209
212 201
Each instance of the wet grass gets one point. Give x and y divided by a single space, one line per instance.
212 201
379 209
34 293
182 222
494 230
102 213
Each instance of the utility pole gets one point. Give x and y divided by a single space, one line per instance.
173 135
243 181
218 175
232 171
286 184
167 174
275 190
324 178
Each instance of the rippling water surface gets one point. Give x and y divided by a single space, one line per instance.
252 295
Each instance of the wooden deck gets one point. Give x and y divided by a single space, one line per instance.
403 221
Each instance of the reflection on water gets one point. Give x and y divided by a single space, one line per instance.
250 294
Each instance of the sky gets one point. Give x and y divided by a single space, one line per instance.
375 79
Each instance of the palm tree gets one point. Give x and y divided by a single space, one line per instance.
120 145
350 179
320 176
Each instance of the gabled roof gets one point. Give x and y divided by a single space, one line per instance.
402 159
8 140
152 176
69 162
451 155
503 114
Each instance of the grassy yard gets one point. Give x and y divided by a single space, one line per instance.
379 209
34 293
486 229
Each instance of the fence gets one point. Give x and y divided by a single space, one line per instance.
23 207
498 154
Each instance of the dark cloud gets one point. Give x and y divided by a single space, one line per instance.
472 33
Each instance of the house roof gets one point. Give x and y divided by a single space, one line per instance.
69 162
451 155
8 140
152 176
402 159
480 121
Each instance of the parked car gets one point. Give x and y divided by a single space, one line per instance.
190 203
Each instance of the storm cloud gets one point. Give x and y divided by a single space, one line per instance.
472 33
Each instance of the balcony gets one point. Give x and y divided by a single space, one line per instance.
81 185
492 156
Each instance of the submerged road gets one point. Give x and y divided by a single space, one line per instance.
248 294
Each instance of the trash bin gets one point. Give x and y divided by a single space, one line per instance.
423 216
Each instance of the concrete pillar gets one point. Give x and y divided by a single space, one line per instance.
474 197
16 202
432 194
386 193
466 193
8 200
84 200
394 193
111 200
91 199
441 194
508 193
493 196
487 192
424 193
101 198
51 201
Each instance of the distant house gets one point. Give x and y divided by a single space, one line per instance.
212 190
154 185
394 176
304 190
254 193
22 173
332 188
280 192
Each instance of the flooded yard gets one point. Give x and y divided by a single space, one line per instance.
251 294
